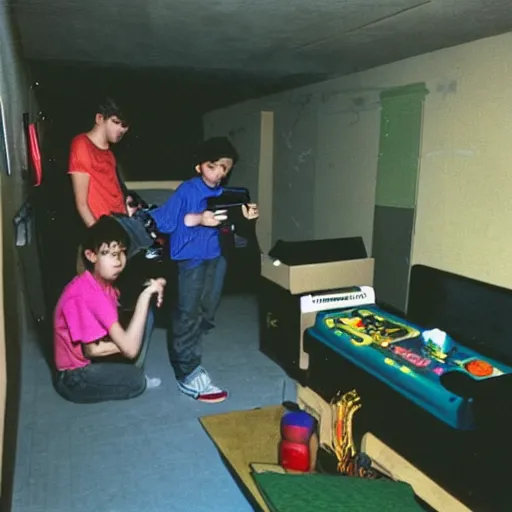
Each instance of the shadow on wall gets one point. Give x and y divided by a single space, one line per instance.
165 127
16 97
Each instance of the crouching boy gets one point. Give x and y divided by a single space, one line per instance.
87 328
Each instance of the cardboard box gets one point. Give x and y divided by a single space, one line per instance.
383 457
315 405
284 282
317 277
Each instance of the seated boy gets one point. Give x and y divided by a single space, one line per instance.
194 242
87 328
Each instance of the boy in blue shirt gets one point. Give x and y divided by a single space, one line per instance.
195 246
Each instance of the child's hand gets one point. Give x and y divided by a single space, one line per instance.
250 211
156 286
213 219
131 205
207 218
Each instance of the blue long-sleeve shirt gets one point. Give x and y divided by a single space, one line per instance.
196 243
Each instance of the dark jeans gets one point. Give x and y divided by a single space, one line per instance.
199 293
103 381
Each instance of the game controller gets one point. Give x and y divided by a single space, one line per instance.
226 207
231 197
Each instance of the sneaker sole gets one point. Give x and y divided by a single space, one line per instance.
211 400
214 399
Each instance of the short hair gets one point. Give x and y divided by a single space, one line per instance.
105 231
214 149
107 107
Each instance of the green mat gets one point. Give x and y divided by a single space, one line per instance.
319 493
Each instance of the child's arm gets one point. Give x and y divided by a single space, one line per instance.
245 225
207 218
102 348
80 182
129 341
80 165
169 214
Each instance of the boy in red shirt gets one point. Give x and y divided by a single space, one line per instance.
92 165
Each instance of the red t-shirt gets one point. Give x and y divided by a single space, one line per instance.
105 195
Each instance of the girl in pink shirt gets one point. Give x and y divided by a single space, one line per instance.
87 328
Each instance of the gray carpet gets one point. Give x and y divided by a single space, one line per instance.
149 454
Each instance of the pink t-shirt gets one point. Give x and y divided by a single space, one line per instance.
85 312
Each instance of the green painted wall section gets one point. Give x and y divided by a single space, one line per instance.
399 145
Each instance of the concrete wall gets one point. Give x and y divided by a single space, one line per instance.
16 98
326 151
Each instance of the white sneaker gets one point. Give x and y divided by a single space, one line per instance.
153 382
199 386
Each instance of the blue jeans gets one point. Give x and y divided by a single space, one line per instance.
136 231
199 293
102 381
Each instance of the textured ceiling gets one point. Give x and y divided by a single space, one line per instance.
268 37
169 61
204 54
